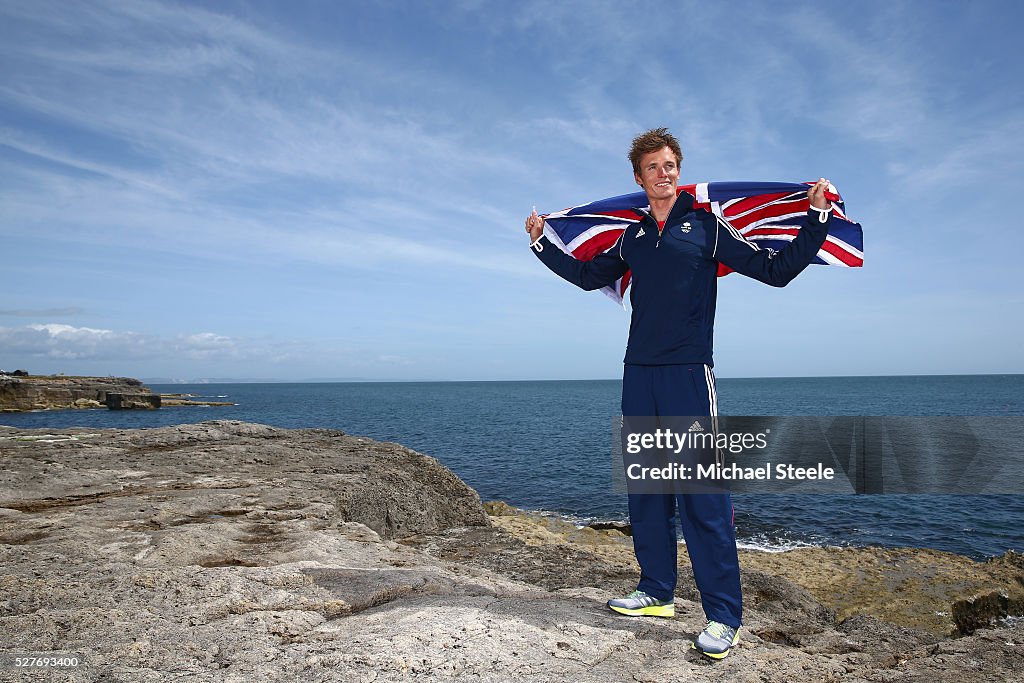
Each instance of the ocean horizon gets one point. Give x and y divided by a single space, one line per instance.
412 380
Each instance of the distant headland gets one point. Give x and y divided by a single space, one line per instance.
22 391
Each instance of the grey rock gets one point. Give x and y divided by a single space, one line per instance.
235 552
137 401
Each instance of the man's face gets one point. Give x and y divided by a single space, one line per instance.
659 174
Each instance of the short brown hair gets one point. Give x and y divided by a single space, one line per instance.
652 141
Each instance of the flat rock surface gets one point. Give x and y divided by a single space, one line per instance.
228 551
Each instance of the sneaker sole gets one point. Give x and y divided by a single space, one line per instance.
712 655
652 611
716 655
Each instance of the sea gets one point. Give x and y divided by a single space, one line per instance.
545 446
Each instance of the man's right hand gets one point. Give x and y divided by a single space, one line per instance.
534 226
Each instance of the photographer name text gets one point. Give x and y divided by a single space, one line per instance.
731 472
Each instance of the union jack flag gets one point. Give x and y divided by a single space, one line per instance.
767 214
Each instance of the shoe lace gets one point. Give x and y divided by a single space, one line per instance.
717 629
637 594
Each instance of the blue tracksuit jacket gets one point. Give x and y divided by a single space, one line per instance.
674 281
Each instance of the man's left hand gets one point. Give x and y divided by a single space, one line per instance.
817 195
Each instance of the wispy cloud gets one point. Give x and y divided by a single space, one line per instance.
68 348
986 155
205 158
66 342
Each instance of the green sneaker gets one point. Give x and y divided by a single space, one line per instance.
716 640
640 604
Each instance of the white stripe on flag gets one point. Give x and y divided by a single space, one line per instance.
779 221
700 192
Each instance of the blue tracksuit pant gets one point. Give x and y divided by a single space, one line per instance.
707 519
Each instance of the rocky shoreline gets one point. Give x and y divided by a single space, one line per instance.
943 593
233 551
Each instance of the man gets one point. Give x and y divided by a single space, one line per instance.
673 253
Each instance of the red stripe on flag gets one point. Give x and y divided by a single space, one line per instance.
753 202
773 211
596 244
771 231
626 214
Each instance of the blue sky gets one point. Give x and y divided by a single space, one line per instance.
321 189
